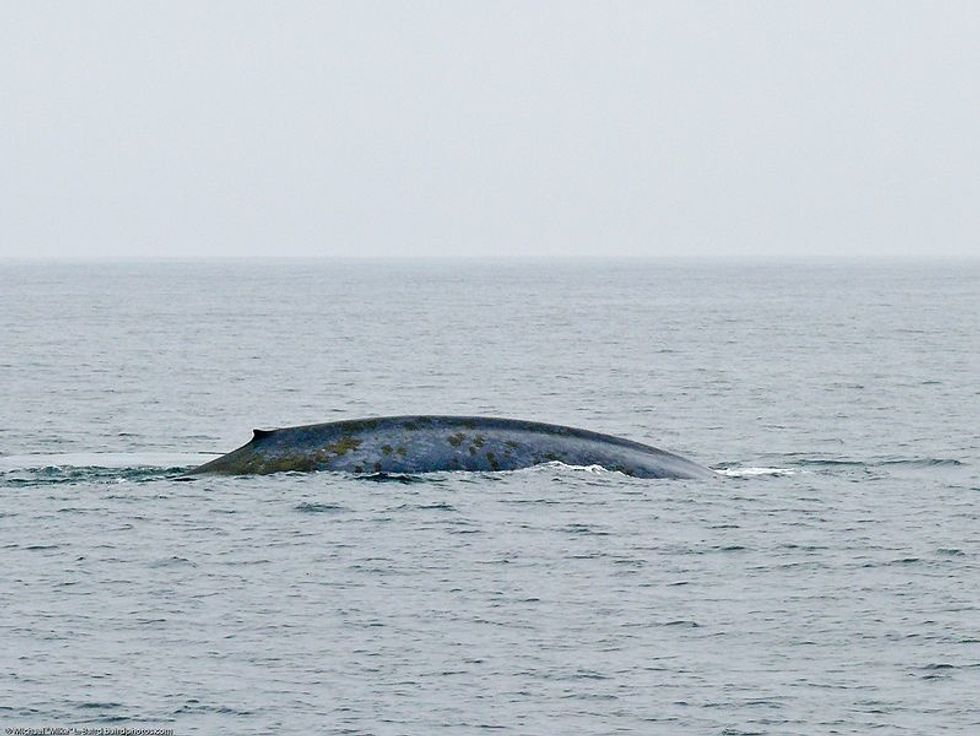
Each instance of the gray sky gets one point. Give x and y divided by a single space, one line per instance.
489 128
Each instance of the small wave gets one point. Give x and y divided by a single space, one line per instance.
67 468
833 462
435 506
320 508
195 706
403 478
921 462
586 529
100 705
912 462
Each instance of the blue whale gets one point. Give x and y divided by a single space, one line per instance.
423 444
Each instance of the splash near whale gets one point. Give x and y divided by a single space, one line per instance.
423 444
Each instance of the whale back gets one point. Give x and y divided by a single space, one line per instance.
427 443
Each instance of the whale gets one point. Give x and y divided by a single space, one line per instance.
409 445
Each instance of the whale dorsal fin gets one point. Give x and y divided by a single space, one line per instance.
258 434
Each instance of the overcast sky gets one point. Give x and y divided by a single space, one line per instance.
489 128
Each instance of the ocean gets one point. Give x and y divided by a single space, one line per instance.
827 583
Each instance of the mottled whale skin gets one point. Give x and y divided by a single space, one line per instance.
423 444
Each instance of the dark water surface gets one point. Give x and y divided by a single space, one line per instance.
828 583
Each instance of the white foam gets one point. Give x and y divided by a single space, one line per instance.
754 472
593 469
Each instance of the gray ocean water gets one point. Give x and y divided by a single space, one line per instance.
828 582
